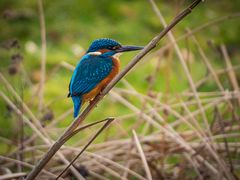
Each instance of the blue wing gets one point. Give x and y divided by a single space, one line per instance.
90 71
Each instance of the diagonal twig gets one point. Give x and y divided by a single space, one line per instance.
86 146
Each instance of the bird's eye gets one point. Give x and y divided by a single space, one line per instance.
115 47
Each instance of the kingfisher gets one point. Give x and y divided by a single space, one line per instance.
95 70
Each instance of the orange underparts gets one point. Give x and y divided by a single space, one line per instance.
116 66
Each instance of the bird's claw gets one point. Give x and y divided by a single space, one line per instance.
101 92
91 102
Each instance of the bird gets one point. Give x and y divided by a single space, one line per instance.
99 65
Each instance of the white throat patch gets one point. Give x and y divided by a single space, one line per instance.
96 53
117 55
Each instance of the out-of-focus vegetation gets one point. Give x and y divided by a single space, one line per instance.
72 25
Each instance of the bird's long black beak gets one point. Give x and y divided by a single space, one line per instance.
129 48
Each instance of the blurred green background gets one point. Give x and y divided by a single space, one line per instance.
72 25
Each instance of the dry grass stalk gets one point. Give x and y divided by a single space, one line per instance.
13 176
231 74
43 55
25 164
183 63
34 128
141 153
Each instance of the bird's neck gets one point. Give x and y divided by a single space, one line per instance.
116 62
117 55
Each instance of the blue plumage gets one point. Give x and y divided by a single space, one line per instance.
103 43
77 101
90 71
95 66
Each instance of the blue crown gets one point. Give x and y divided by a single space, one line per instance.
103 43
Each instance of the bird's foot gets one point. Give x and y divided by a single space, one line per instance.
101 92
91 102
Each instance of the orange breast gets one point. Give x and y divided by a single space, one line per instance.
90 95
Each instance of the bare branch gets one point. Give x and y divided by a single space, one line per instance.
109 120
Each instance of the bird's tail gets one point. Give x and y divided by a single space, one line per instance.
77 101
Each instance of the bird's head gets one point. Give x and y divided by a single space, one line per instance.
109 47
